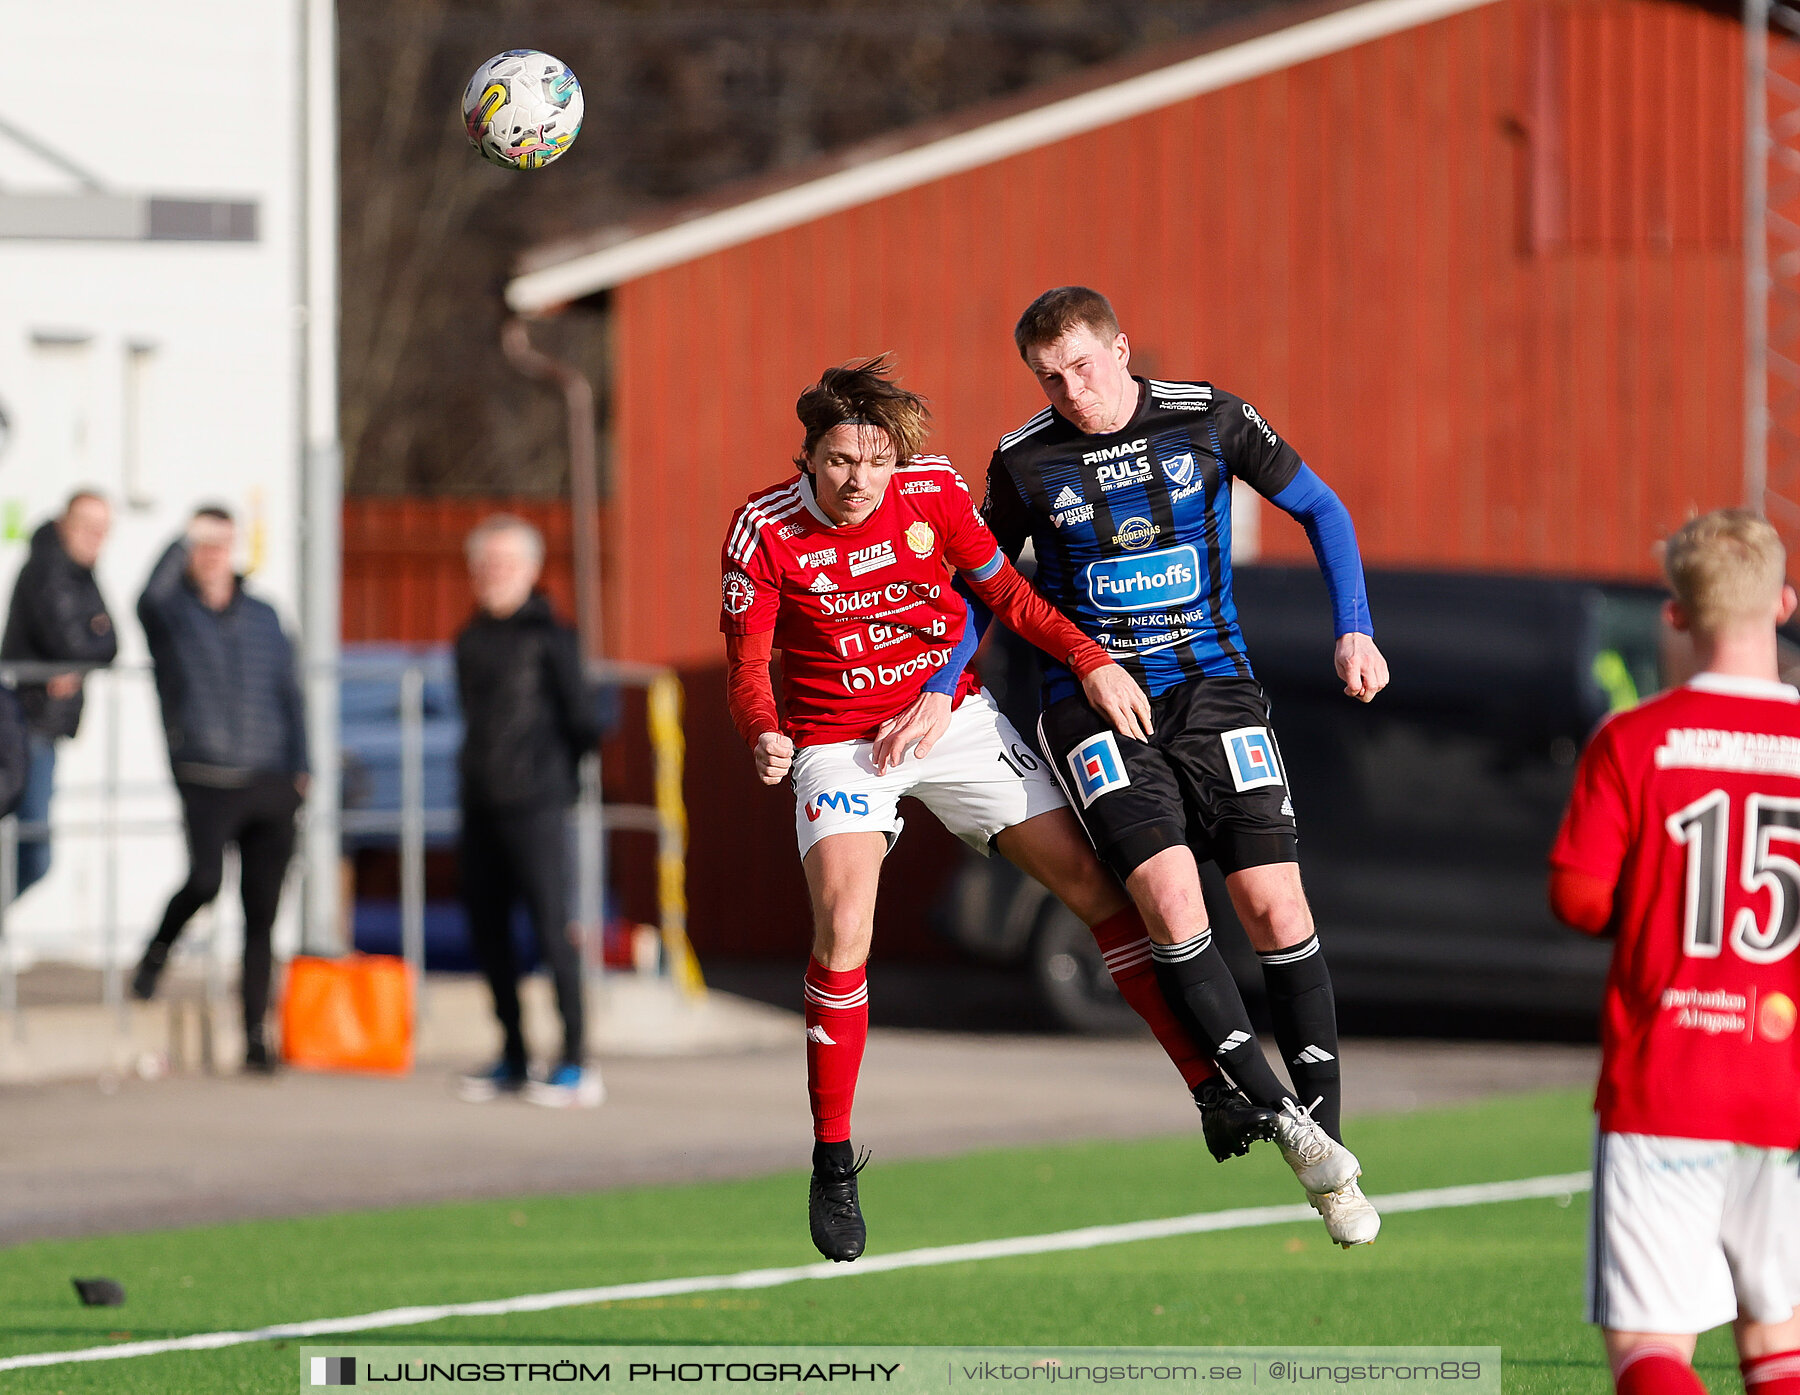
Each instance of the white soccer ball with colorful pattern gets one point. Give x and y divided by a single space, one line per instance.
522 109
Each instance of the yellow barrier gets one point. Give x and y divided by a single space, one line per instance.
670 748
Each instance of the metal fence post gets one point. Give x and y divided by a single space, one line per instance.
412 827
112 990
9 966
590 867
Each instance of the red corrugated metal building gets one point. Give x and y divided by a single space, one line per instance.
1478 261
1483 271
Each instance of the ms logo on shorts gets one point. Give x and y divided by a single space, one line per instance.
856 804
1250 752
1097 768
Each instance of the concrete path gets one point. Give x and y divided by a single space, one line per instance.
130 1154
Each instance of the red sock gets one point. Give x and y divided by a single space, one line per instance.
837 1029
1653 1370
1126 945
1775 1374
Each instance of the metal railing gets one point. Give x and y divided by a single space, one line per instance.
412 824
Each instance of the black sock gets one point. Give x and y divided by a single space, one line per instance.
833 1157
1305 1014
1200 990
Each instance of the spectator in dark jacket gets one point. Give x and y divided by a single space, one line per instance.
232 712
528 718
56 616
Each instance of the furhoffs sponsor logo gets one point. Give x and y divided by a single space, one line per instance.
1148 581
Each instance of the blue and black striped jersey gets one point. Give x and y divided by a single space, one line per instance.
1132 530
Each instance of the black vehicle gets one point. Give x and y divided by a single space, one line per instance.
1424 817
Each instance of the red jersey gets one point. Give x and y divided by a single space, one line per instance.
1690 805
863 615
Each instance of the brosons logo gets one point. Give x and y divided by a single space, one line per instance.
1149 581
862 678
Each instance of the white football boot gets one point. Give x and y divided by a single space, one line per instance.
1350 1217
1321 1163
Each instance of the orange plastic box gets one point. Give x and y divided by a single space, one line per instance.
352 1014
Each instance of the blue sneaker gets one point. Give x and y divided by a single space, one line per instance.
501 1078
569 1086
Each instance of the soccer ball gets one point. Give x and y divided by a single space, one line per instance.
522 109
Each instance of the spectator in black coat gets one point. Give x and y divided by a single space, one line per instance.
57 615
231 708
528 718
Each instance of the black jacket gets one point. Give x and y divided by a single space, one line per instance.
15 752
230 694
528 715
56 615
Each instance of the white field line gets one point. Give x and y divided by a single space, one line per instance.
1087 1238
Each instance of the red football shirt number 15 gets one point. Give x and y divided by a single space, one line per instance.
1705 827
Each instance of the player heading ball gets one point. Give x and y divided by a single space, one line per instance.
847 570
1682 841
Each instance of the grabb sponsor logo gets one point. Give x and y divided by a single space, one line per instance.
1135 534
1148 581
824 557
1268 432
740 591
864 677
871 559
855 805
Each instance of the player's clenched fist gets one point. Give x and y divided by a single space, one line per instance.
1115 695
1360 665
774 757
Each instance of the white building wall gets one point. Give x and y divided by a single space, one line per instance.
165 374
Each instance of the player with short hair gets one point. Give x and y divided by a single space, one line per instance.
1682 841
847 570
1123 486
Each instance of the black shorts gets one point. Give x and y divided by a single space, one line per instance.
1210 777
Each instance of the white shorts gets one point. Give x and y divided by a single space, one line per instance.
1683 1233
980 779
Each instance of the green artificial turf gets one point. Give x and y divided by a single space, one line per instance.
1506 1274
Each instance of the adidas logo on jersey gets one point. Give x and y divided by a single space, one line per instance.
1068 499
821 584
